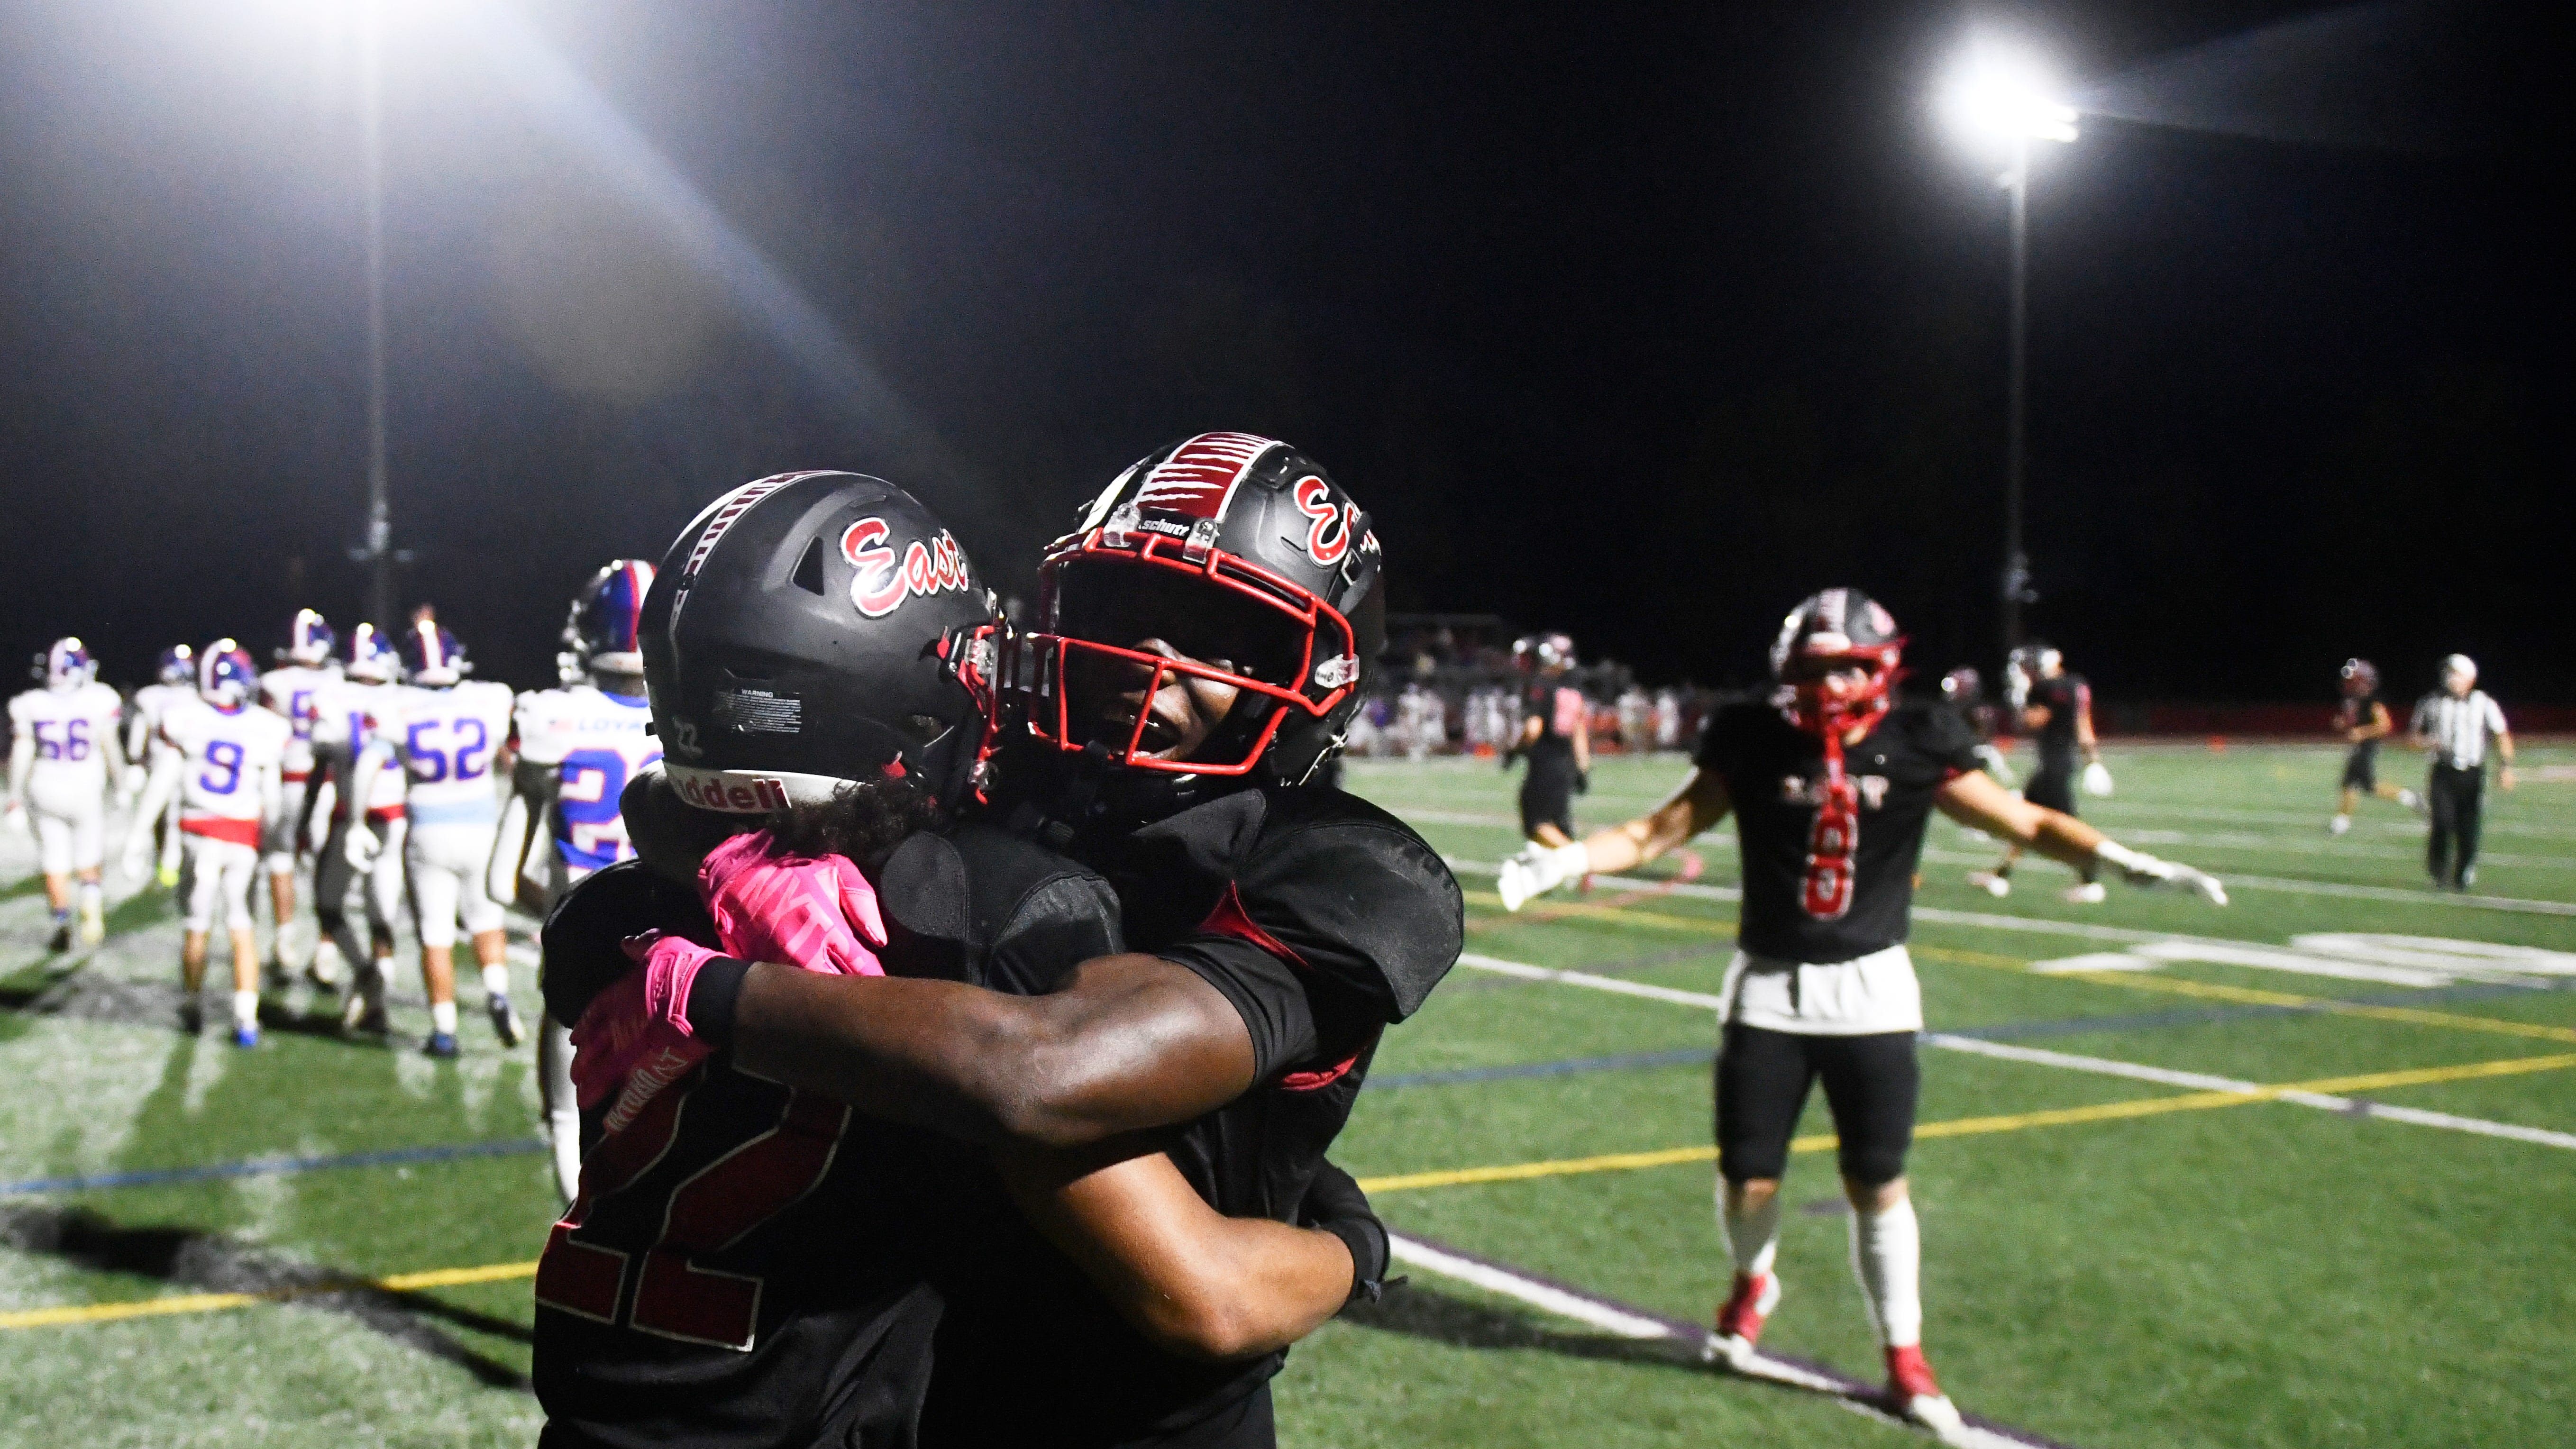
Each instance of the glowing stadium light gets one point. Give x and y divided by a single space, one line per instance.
2002 93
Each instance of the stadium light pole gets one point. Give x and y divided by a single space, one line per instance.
378 550
2004 98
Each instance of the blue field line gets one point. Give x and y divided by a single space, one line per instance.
274 1166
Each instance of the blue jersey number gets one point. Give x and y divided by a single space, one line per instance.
469 759
74 744
226 756
586 806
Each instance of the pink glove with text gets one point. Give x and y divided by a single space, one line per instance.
636 1034
816 912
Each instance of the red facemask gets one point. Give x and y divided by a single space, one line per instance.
1831 708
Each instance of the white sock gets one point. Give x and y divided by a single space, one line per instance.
442 1017
496 980
1752 1236
245 1008
1887 1255
93 897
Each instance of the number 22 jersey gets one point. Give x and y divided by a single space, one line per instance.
596 742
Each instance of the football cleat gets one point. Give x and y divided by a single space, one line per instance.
245 1037
62 939
363 1014
2090 893
441 1044
192 1016
2339 825
2412 801
505 1021
1914 1394
168 875
1740 1319
93 923
1993 882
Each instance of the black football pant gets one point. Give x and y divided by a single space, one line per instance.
1763 1077
2455 797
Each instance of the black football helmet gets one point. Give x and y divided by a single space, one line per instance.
1833 628
1963 686
812 629
1241 554
2360 678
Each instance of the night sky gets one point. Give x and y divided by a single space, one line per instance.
1639 322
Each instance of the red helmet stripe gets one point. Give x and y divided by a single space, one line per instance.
1199 478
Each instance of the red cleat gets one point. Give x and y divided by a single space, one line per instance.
1915 1394
1739 1322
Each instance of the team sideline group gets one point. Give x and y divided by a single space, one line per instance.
959 1012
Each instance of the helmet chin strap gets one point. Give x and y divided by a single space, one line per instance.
1834 838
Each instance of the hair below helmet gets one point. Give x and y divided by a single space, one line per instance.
1240 553
811 629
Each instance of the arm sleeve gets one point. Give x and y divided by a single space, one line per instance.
1365 908
1267 991
2494 716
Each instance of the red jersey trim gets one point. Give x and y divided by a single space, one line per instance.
1228 919
1310 1081
384 812
216 827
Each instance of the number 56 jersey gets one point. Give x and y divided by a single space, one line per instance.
596 742
446 739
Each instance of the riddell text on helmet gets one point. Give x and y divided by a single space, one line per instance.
756 796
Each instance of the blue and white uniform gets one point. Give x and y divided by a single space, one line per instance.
446 740
226 760
595 742
61 741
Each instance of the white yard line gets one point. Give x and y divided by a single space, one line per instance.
2064 1061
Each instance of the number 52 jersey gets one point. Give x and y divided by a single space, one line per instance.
596 742
446 739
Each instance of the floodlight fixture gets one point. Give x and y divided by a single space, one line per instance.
2005 93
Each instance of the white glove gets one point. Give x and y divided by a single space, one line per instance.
137 860
2141 869
361 846
1534 870
2097 779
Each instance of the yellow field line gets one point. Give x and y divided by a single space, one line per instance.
1981 1126
1612 913
218 1302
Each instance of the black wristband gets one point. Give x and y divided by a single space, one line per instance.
712 994
1366 1238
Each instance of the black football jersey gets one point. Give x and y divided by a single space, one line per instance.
1323 919
2354 714
1555 705
752 1264
1774 773
2064 698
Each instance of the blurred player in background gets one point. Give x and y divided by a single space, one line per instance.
449 735
369 687
225 751
305 669
63 756
1555 737
2362 720
576 748
1964 690
1832 785
2056 707
174 679
2454 724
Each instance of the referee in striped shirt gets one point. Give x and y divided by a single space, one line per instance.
2453 723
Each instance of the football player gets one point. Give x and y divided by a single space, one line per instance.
837 1242
223 761
449 735
2362 719
576 747
369 688
1832 785
1964 690
1555 737
174 679
2057 707
63 757
304 670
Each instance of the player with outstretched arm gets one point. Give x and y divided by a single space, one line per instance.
1832 785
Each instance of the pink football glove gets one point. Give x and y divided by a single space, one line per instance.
636 1034
815 912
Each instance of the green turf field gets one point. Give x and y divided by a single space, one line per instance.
2125 1243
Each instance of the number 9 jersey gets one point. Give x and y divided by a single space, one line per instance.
594 742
